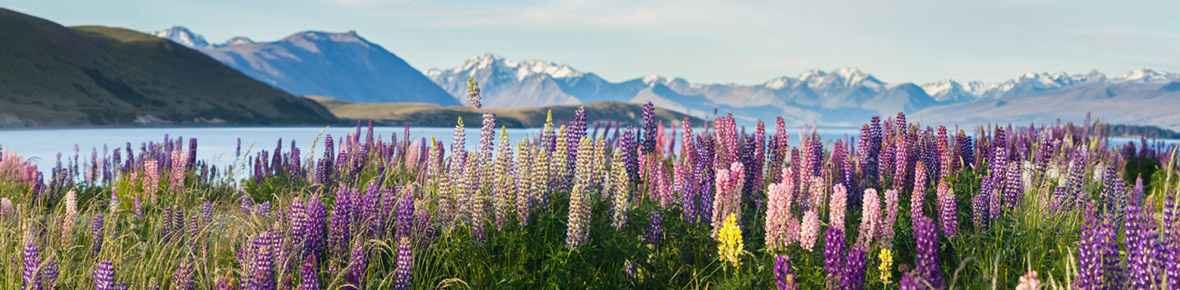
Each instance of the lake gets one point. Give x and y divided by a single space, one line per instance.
217 145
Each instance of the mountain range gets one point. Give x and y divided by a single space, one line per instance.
840 97
313 63
93 75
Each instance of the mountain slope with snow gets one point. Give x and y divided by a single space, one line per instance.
313 63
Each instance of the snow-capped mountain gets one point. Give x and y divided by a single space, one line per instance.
841 96
814 95
313 63
182 35
1032 83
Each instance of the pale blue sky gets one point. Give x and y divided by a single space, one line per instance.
736 41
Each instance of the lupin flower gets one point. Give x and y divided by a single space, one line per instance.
178 169
1141 252
778 212
654 231
1112 267
837 206
649 127
114 205
30 278
886 266
49 275
966 150
458 145
630 149
263 209
902 162
947 212
96 231
405 214
67 225
405 264
926 240
854 270
356 268
183 277
809 230
316 228
834 256
729 242
579 218
979 208
912 280
1170 244
505 185
995 206
1090 246
6 208
784 279
1013 187
870 219
340 235
885 232
1029 281
260 259
473 96
727 199
104 276
620 189
918 196
138 207
573 137
308 271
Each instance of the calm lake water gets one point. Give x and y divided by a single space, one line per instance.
217 145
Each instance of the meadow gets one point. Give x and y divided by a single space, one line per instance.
901 206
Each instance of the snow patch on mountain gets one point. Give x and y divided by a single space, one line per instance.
183 36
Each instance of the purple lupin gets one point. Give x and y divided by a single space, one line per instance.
926 240
97 232
654 231
405 264
104 276
32 261
308 271
783 277
834 256
356 268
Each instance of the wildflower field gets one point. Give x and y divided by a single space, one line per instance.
901 206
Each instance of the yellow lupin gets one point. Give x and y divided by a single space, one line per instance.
729 240
886 257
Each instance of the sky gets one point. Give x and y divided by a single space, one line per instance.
734 41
